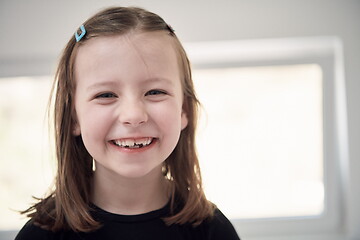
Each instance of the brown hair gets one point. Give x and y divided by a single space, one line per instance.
68 206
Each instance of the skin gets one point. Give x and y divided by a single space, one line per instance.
128 88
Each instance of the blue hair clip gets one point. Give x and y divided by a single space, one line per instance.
79 37
170 28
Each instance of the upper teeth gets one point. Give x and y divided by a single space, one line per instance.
133 143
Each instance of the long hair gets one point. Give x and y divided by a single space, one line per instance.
69 206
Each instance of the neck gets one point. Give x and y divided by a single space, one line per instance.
130 196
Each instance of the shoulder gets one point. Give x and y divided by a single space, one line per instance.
31 231
219 227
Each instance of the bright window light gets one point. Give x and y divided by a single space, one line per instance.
260 139
25 166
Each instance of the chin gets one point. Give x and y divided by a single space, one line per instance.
139 172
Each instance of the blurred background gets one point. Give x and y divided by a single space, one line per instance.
279 131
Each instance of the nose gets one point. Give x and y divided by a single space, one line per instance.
133 113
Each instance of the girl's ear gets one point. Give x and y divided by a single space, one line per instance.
184 120
76 129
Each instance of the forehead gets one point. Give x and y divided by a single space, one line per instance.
153 52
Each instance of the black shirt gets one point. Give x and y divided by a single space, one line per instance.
146 226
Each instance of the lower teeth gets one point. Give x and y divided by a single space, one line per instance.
136 146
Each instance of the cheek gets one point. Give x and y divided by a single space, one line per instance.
167 116
94 123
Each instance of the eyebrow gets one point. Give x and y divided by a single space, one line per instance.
159 79
115 84
102 84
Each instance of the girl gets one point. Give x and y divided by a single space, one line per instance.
125 119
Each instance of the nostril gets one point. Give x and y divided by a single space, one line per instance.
133 114
134 123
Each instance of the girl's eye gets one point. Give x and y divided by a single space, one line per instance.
106 95
154 92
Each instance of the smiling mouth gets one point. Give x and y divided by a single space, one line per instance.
133 143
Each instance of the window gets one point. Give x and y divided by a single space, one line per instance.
265 126
25 167
271 133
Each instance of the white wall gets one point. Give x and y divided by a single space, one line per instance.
32 34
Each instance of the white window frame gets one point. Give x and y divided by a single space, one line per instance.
326 52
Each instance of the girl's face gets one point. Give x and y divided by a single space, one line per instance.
128 102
